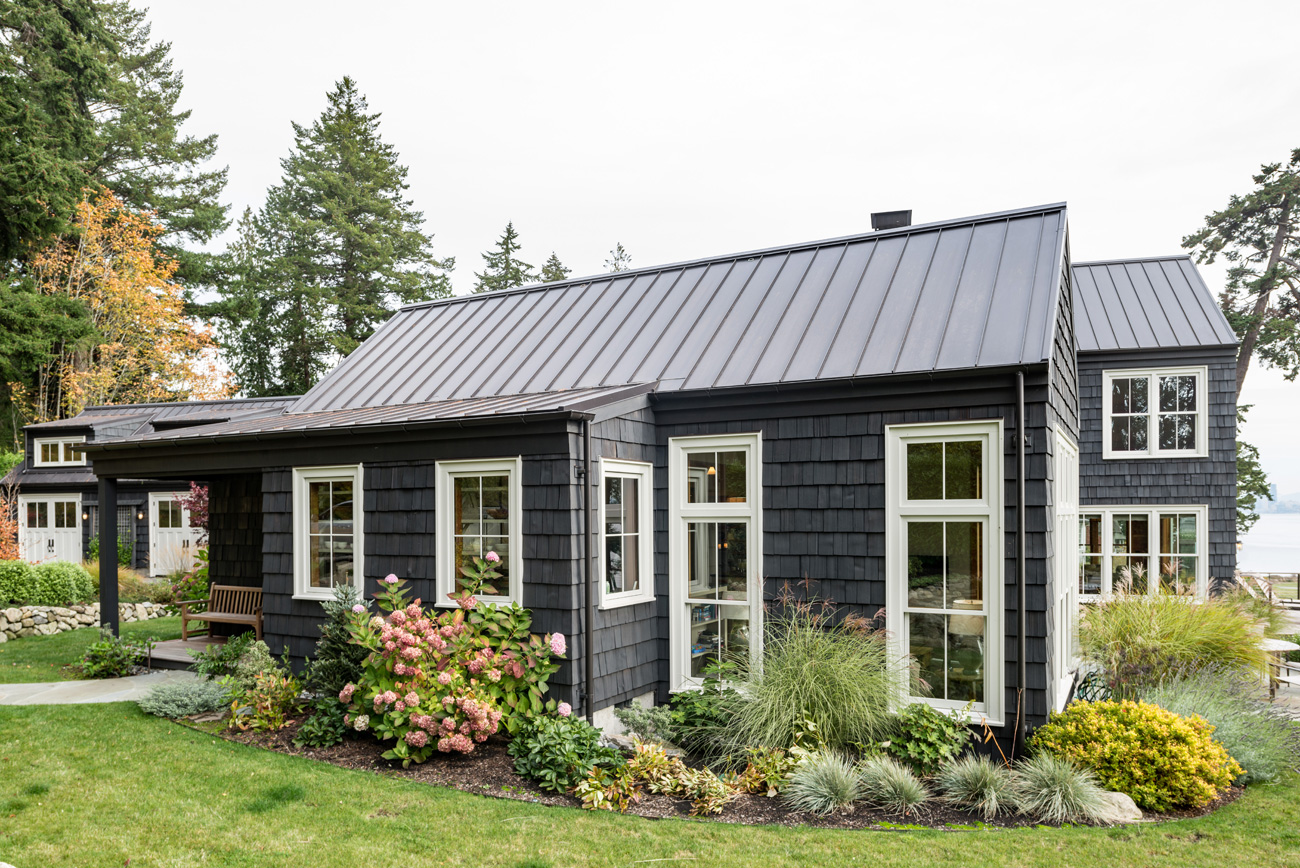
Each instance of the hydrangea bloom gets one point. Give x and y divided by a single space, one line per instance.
358 608
417 738
391 579
444 678
492 558
557 644
361 723
564 709
345 695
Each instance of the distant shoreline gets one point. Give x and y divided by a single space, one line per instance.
1272 545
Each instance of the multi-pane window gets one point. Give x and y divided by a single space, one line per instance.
943 559
1141 550
626 533
327 529
1154 413
479 506
715 570
170 514
57 452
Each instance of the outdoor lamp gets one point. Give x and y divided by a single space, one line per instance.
85 515
139 514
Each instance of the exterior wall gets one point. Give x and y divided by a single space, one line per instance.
1211 480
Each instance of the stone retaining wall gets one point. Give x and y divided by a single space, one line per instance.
19 621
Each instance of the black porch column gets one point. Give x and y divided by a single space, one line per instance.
108 553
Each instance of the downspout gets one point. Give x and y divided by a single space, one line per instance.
588 574
1022 432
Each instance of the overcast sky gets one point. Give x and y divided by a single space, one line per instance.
691 129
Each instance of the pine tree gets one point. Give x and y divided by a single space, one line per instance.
246 313
339 245
503 269
619 260
338 659
553 270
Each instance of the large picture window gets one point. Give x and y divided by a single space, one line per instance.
943 553
327 530
479 511
1141 550
1157 413
58 452
627 533
715 553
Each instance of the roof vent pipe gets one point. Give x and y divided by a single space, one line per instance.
890 220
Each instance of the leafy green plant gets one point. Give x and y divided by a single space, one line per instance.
254 660
176 699
608 789
325 726
769 770
218 661
650 765
700 719
977 784
192 587
1161 760
560 752
648 724
59 583
1261 737
113 656
1057 790
890 785
17 581
925 738
338 660
268 705
826 783
709 794
123 550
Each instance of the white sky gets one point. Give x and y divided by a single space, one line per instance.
692 129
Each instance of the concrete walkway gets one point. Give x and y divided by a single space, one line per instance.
77 692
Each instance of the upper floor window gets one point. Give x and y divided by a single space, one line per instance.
1157 413
480 505
627 533
327 530
59 452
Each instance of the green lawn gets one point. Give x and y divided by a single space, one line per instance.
42 658
107 785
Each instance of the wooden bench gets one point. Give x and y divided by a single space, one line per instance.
227 604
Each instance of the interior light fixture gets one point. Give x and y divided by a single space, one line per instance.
713 471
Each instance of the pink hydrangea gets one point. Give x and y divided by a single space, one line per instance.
412 699
417 738
557 644
358 608
492 558
444 678
468 603
449 724
564 709
398 617
345 695
391 579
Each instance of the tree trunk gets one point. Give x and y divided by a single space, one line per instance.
1251 337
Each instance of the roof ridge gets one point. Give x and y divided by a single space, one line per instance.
1122 259
205 401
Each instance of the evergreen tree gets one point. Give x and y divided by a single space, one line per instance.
246 313
339 246
1257 235
1252 483
619 260
503 269
553 270
338 659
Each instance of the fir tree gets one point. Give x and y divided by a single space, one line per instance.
619 260
338 659
553 270
503 269
247 313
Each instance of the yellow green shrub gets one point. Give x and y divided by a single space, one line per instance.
1162 761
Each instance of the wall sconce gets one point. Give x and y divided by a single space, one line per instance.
85 515
139 514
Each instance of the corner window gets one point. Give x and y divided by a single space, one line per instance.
1142 550
479 511
715 554
58 452
627 533
943 560
327 530
1155 413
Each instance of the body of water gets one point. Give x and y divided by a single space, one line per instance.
1273 545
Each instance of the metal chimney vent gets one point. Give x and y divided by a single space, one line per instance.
890 220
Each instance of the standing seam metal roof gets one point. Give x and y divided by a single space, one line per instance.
969 293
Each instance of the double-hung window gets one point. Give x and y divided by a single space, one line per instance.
480 504
715 537
58 452
1155 413
627 533
1142 550
327 530
944 559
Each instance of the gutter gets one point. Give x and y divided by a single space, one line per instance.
1022 433
588 575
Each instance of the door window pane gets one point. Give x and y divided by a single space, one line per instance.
65 513
38 514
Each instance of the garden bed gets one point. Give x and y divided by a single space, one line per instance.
489 771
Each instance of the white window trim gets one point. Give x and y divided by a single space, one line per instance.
1153 511
1153 414
644 475
680 512
302 589
1065 657
38 442
898 510
445 472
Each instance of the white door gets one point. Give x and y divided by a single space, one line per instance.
172 542
49 527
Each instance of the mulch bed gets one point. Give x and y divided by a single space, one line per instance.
489 771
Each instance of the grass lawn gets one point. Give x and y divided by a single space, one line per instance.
41 658
107 785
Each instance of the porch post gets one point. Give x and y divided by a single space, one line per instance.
108 553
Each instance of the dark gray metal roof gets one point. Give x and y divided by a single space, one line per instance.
116 416
1146 304
960 294
568 401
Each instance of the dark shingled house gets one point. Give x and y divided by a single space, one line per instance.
656 453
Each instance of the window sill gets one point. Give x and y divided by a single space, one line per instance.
315 596
623 602
1148 456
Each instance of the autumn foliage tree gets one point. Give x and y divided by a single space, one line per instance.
142 347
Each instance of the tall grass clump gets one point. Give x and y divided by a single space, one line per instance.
1264 741
823 784
1140 640
977 784
1058 791
890 785
834 679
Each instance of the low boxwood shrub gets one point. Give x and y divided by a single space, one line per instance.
1162 761
560 752
653 724
113 656
175 699
17 581
891 785
925 738
57 583
977 784
823 784
1056 790
325 726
